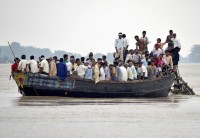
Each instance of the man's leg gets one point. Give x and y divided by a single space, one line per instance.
121 55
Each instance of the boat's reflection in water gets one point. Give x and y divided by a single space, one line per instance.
64 101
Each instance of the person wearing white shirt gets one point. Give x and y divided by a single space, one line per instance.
68 64
126 42
102 74
132 67
130 55
119 46
122 73
88 71
106 70
80 68
129 72
22 64
176 50
33 65
44 66
126 45
157 51
161 45
143 69
136 56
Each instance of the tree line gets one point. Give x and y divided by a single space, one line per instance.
7 57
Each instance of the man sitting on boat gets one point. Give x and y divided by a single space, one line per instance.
32 64
22 64
61 70
14 66
44 66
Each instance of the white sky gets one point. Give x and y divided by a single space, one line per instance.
81 26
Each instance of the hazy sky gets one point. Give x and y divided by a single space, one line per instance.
81 26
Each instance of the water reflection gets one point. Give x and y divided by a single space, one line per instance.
63 101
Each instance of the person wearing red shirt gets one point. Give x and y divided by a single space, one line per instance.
14 66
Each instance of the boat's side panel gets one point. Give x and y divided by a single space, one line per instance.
138 87
158 88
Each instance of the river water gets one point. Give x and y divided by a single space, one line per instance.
176 116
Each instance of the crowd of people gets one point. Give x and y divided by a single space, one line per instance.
128 65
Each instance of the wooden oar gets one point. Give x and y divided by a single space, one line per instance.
11 50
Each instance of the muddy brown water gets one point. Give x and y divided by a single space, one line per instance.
175 116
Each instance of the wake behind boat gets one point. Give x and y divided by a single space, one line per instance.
37 85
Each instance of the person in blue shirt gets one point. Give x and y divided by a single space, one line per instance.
106 70
88 71
61 69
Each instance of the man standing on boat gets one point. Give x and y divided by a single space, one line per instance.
119 46
170 41
140 44
145 39
176 49
126 45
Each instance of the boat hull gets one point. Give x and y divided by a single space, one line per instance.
83 88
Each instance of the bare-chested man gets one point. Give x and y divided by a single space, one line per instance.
140 44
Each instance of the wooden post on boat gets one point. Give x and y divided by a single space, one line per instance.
11 50
180 86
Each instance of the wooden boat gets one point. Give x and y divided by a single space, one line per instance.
37 85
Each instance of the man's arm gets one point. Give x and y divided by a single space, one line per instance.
116 49
171 62
162 44
41 67
19 66
127 44
137 46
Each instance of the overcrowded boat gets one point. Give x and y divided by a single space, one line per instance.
134 73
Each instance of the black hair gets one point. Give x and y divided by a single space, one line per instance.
115 63
149 62
120 33
90 54
159 39
23 57
104 56
78 59
144 32
15 59
99 59
82 59
31 57
55 57
101 63
167 51
124 35
171 31
129 61
42 56
61 59
136 36
65 55
71 56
